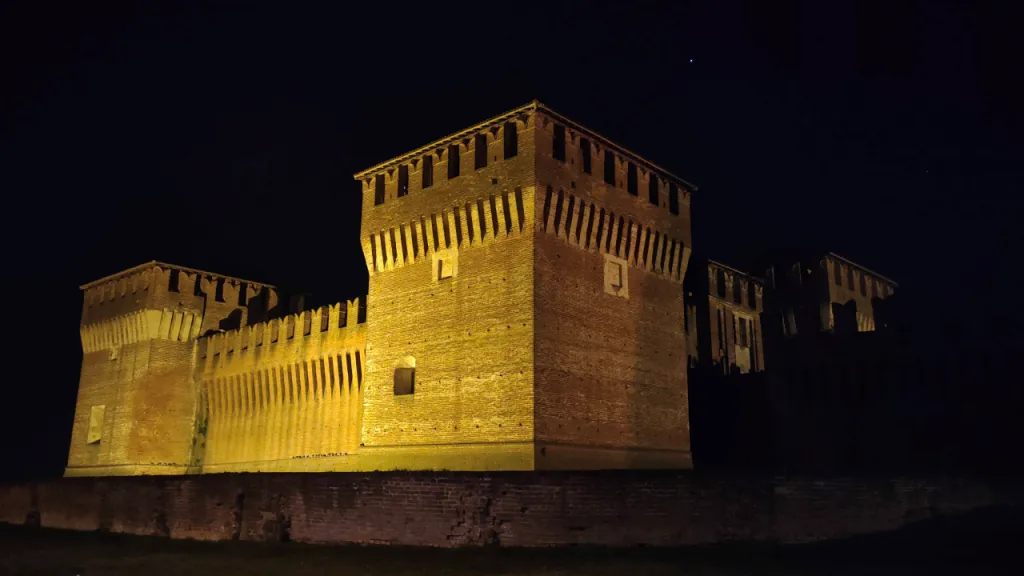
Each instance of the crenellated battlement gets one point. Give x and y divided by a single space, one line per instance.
578 154
158 285
334 322
735 287
465 140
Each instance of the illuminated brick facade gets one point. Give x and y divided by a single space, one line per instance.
525 312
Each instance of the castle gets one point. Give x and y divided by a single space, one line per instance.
525 311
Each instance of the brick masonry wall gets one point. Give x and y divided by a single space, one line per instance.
280 390
625 508
611 370
470 335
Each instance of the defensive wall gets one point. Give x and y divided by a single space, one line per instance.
276 394
549 508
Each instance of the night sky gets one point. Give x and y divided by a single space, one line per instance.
225 140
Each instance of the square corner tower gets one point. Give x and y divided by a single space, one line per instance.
525 302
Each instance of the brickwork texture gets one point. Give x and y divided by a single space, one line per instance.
524 276
609 508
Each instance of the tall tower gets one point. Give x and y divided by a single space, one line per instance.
136 406
525 302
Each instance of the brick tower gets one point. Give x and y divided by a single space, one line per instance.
136 405
526 309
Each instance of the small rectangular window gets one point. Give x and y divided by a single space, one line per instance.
428 171
673 198
652 189
849 277
558 143
378 190
453 161
511 140
737 290
585 155
837 273
631 180
609 167
720 280
480 151
403 180
405 381
752 296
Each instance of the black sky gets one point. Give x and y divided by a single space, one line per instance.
225 139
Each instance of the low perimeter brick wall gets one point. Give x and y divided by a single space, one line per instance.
510 509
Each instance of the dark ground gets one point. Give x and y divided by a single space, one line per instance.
983 542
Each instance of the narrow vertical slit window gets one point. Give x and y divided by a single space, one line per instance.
480 151
558 143
403 180
511 140
453 161
585 155
378 190
609 167
673 198
631 180
652 189
428 171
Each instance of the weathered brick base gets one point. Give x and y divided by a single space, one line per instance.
510 509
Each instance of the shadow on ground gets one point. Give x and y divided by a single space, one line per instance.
980 542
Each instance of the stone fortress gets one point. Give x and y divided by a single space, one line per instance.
525 312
